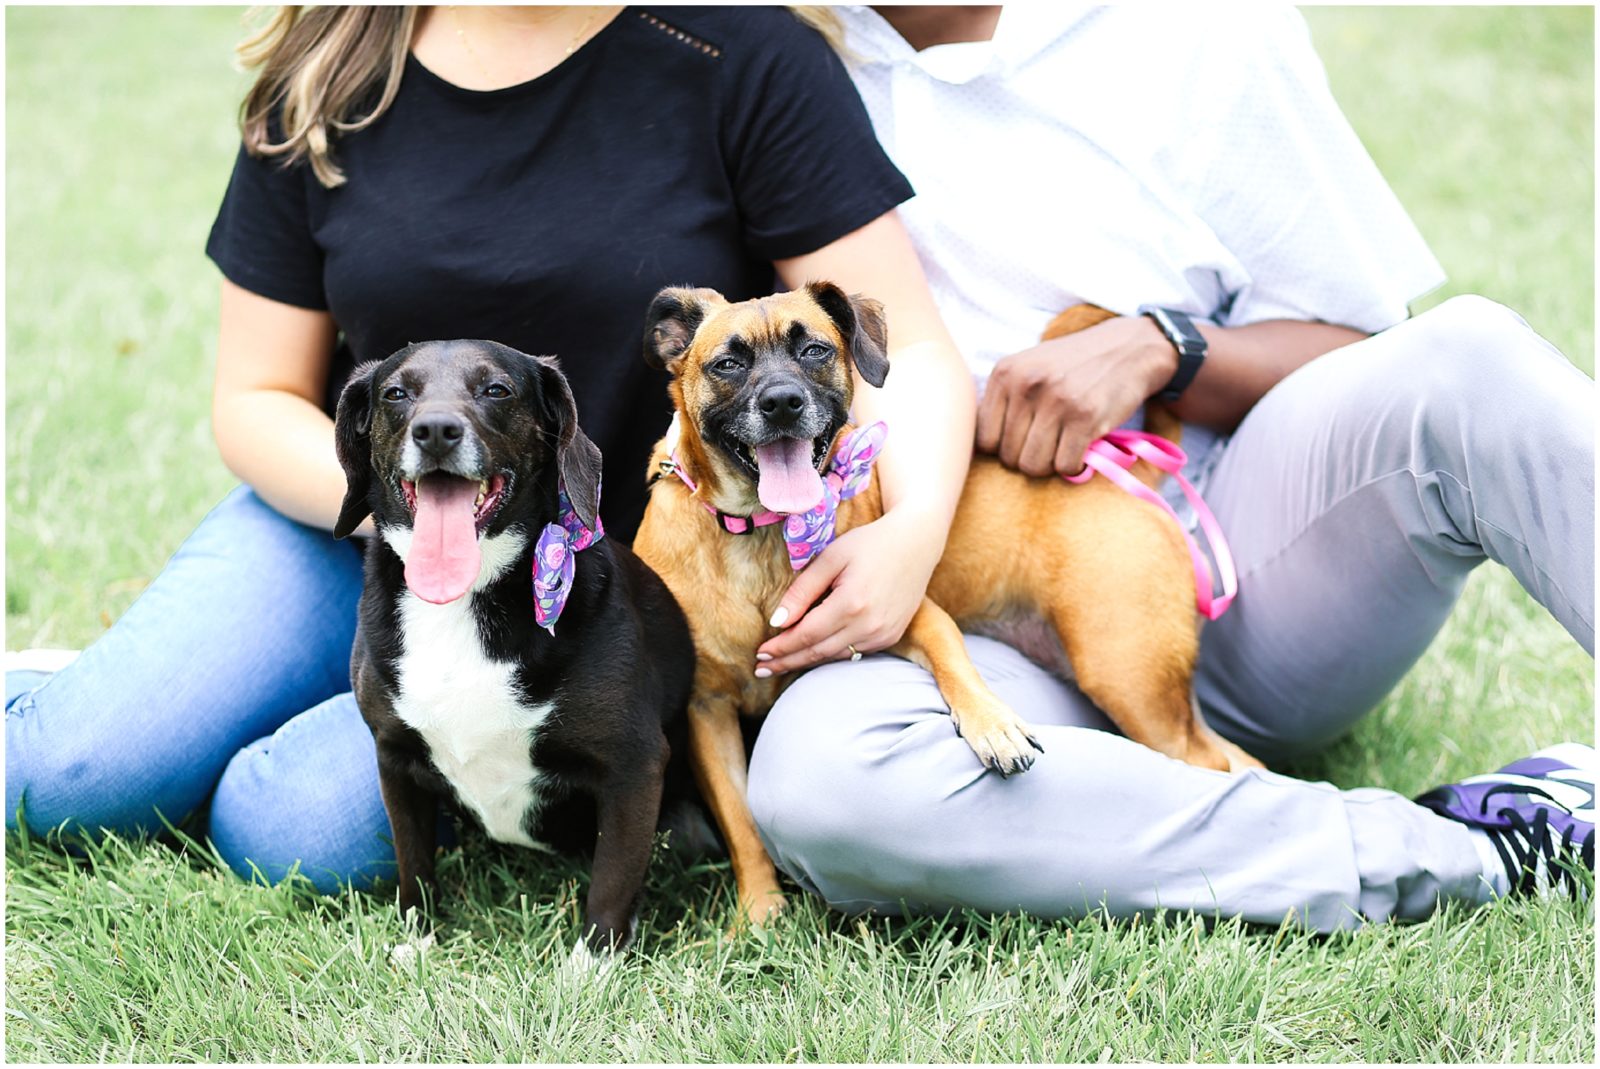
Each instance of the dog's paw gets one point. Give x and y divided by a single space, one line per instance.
586 963
596 952
757 911
999 737
405 955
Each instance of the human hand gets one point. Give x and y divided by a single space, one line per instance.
874 575
1043 406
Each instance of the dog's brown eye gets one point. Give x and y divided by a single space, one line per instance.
814 352
727 365
394 393
497 391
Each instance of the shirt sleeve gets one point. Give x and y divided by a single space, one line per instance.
805 164
262 236
1284 182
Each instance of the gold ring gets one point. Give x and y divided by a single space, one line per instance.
855 654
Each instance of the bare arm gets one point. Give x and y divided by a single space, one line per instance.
1243 363
1043 406
272 365
880 572
928 400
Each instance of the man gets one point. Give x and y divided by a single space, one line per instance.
1361 463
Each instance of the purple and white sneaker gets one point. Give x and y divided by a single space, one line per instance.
1538 812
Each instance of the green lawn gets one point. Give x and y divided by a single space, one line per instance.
119 139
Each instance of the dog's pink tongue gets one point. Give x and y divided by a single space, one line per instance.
788 481
444 557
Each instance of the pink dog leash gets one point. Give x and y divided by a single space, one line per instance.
1117 452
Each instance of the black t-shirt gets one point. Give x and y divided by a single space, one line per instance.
677 147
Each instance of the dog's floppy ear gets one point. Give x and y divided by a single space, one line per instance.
675 314
352 439
861 324
577 458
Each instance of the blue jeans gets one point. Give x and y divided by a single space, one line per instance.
223 694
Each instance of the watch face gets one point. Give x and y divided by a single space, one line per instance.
1178 327
1186 329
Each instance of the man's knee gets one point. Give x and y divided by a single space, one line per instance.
1473 371
1470 321
1471 351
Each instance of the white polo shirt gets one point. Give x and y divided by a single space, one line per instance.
1187 155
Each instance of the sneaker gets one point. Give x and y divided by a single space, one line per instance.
1538 812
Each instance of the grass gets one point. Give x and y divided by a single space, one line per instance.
133 956
119 141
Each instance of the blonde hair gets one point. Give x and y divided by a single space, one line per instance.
825 20
317 65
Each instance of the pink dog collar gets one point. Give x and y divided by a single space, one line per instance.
809 533
1114 454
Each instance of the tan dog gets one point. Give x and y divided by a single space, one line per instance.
1086 579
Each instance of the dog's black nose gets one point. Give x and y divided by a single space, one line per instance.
437 433
781 403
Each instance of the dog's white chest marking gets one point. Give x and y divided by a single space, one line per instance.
465 706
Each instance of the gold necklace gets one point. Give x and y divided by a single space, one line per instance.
477 61
472 53
577 38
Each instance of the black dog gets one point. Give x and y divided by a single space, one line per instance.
545 722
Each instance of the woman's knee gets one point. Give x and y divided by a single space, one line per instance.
60 773
305 799
250 623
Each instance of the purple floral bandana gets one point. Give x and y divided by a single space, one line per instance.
809 533
555 560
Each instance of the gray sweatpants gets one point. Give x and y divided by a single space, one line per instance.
1357 496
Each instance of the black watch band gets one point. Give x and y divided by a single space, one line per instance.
1190 343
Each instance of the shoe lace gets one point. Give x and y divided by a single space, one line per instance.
1515 788
1527 842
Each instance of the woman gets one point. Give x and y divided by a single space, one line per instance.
1066 154
531 175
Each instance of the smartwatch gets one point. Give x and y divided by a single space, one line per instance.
1189 342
